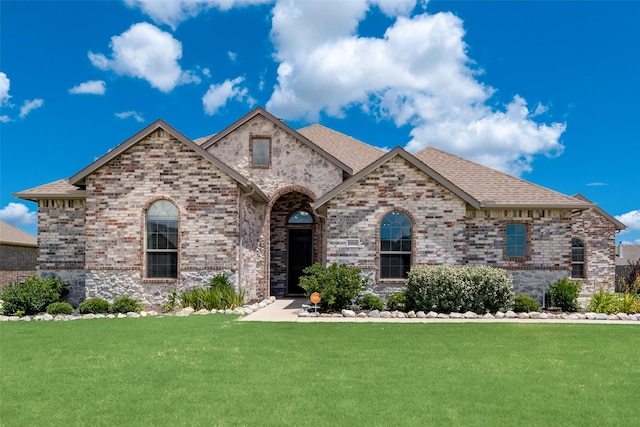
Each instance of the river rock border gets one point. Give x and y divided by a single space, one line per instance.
188 311
469 315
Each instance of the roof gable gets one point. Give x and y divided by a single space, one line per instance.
79 177
617 224
495 189
398 151
270 117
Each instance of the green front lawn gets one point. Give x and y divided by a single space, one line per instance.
216 371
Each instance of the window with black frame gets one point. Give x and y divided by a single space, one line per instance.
395 245
162 240
577 258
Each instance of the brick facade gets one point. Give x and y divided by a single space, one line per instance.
232 218
17 263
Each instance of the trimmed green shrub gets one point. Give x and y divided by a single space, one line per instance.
525 304
59 308
338 285
370 302
94 305
126 304
397 301
564 294
32 296
479 289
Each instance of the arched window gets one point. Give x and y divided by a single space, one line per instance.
300 217
395 246
162 240
577 259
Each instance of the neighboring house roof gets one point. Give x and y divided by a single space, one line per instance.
262 112
619 225
495 189
10 235
627 253
356 154
398 151
61 189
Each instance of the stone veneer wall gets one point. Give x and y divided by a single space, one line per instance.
17 263
354 219
61 240
292 162
253 274
118 194
598 235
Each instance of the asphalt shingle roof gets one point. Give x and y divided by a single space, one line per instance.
14 236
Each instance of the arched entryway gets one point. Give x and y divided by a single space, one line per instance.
295 240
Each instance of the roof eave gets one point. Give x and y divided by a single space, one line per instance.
34 197
565 206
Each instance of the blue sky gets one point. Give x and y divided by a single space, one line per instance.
547 91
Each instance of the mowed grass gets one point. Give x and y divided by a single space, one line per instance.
217 371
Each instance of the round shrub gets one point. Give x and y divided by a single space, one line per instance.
370 302
397 301
337 285
525 304
479 289
32 296
126 304
94 305
564 294
59 308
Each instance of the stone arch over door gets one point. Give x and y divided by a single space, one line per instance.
285 235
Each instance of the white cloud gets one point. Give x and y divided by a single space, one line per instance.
173 12
597 184
417 74
5 119
218 95
5 84
91 87
146 52
232 56
30 105
630 219
133 114
18 214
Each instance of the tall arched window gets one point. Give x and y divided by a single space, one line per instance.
162 240
395 245
577 259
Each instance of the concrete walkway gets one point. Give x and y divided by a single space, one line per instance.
286 310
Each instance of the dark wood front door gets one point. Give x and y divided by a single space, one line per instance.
300 256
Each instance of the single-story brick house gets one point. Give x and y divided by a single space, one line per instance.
18 254
260 201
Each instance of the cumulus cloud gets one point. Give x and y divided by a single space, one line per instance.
218 95
173 12
5 84
146 52
130 114
91 87
418 74
29 105
630 219
18 214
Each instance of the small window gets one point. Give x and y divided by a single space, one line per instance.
260 151
395 246
516 246
577 259
162 240
301 217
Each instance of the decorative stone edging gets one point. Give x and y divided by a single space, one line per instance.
188 311
304 312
